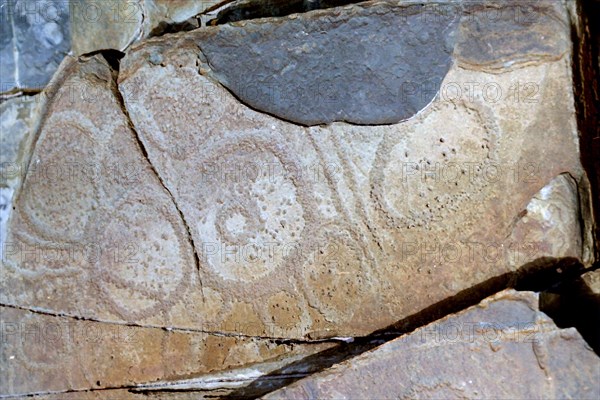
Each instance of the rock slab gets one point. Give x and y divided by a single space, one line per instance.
502 348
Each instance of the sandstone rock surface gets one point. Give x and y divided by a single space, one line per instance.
269 184
267 228
45 354
397 217
502 348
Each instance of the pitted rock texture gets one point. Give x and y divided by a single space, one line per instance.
34 38
395 217
502 348
172 195
109 240
360 64
287 222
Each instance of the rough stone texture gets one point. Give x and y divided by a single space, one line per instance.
102 25
322 66
34 38
164 13
18 119
42 354
546 227
502 348
116 24
592 282
96 231
156 200
396 217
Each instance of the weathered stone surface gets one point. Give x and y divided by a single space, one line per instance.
502 348
545 225
161 14
289 222
18 119
34 38
395 217
103 25
498 35
322 66
116 24
43 354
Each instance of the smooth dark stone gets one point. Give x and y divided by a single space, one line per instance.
364 64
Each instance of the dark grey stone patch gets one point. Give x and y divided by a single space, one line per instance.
7 59
365 64
35 37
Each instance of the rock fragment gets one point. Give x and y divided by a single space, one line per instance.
19 118
502 348
116 25
45 354
34 39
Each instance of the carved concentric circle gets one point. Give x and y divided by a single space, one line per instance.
177 128
434 166
144 260
62 179
338 268
249 212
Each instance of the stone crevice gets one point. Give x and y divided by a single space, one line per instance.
114 62
277 340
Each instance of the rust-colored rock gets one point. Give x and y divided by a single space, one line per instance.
502 348
44 354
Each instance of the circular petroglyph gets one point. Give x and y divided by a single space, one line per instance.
60 194
250 211
144 260
433 166
165 114
337 269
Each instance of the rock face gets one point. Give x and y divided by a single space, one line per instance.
115 25
250 225
93 185
103 25
295 181
390 216
502 348
34 38
18 120
42 353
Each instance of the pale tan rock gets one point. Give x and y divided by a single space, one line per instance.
105 25
502 348
549 225
300 232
